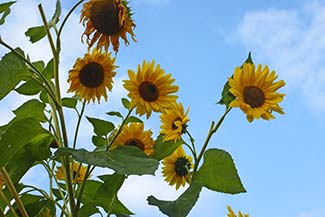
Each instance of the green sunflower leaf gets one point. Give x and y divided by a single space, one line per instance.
125 160
113 113
164 149
5 9
36 33
49 70
132 119
69 102
29 88
218 173
98 141
12 71
180 207
88 210
126 103
19 134
101 127
226 97
109 201
32 108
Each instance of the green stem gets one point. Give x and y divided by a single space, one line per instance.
12 189
4 199
213 129
78 124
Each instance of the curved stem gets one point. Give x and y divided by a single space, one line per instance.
4 199
213 129
78 124
67 17
12 189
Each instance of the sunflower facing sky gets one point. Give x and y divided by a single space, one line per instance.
255 91
176 168
92 75
134 134
174 122
106 22
232 214
78 172
150 89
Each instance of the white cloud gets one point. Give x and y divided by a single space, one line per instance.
292 42
313 213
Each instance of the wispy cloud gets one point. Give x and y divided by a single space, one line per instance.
292 42
313 213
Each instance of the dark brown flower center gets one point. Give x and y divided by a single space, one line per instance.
91 75
254 96
148 91
182 166
104 16
135 142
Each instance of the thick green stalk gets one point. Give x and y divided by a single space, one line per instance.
12 189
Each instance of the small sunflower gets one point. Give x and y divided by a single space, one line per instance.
134 134
106 22
176 168
232 214
174 122
150 89
92 75
255 91
78 172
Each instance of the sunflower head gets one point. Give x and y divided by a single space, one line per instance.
232 214
92 75
134 134
150 89
255 91
176 168
174 122
78 172
106 22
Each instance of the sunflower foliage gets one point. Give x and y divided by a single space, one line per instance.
38 133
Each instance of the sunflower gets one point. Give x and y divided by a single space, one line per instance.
92 75
255 91
176 168
174 122
232 214
134 134
150 89
106 22
78 172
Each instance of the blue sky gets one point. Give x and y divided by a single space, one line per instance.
280 162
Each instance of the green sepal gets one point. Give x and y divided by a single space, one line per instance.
218 173
180 207
164 149
125 160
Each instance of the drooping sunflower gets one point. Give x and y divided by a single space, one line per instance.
176 168
150 89
174 122
106 22
77 170
255 91
232 214
92 75
134 134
